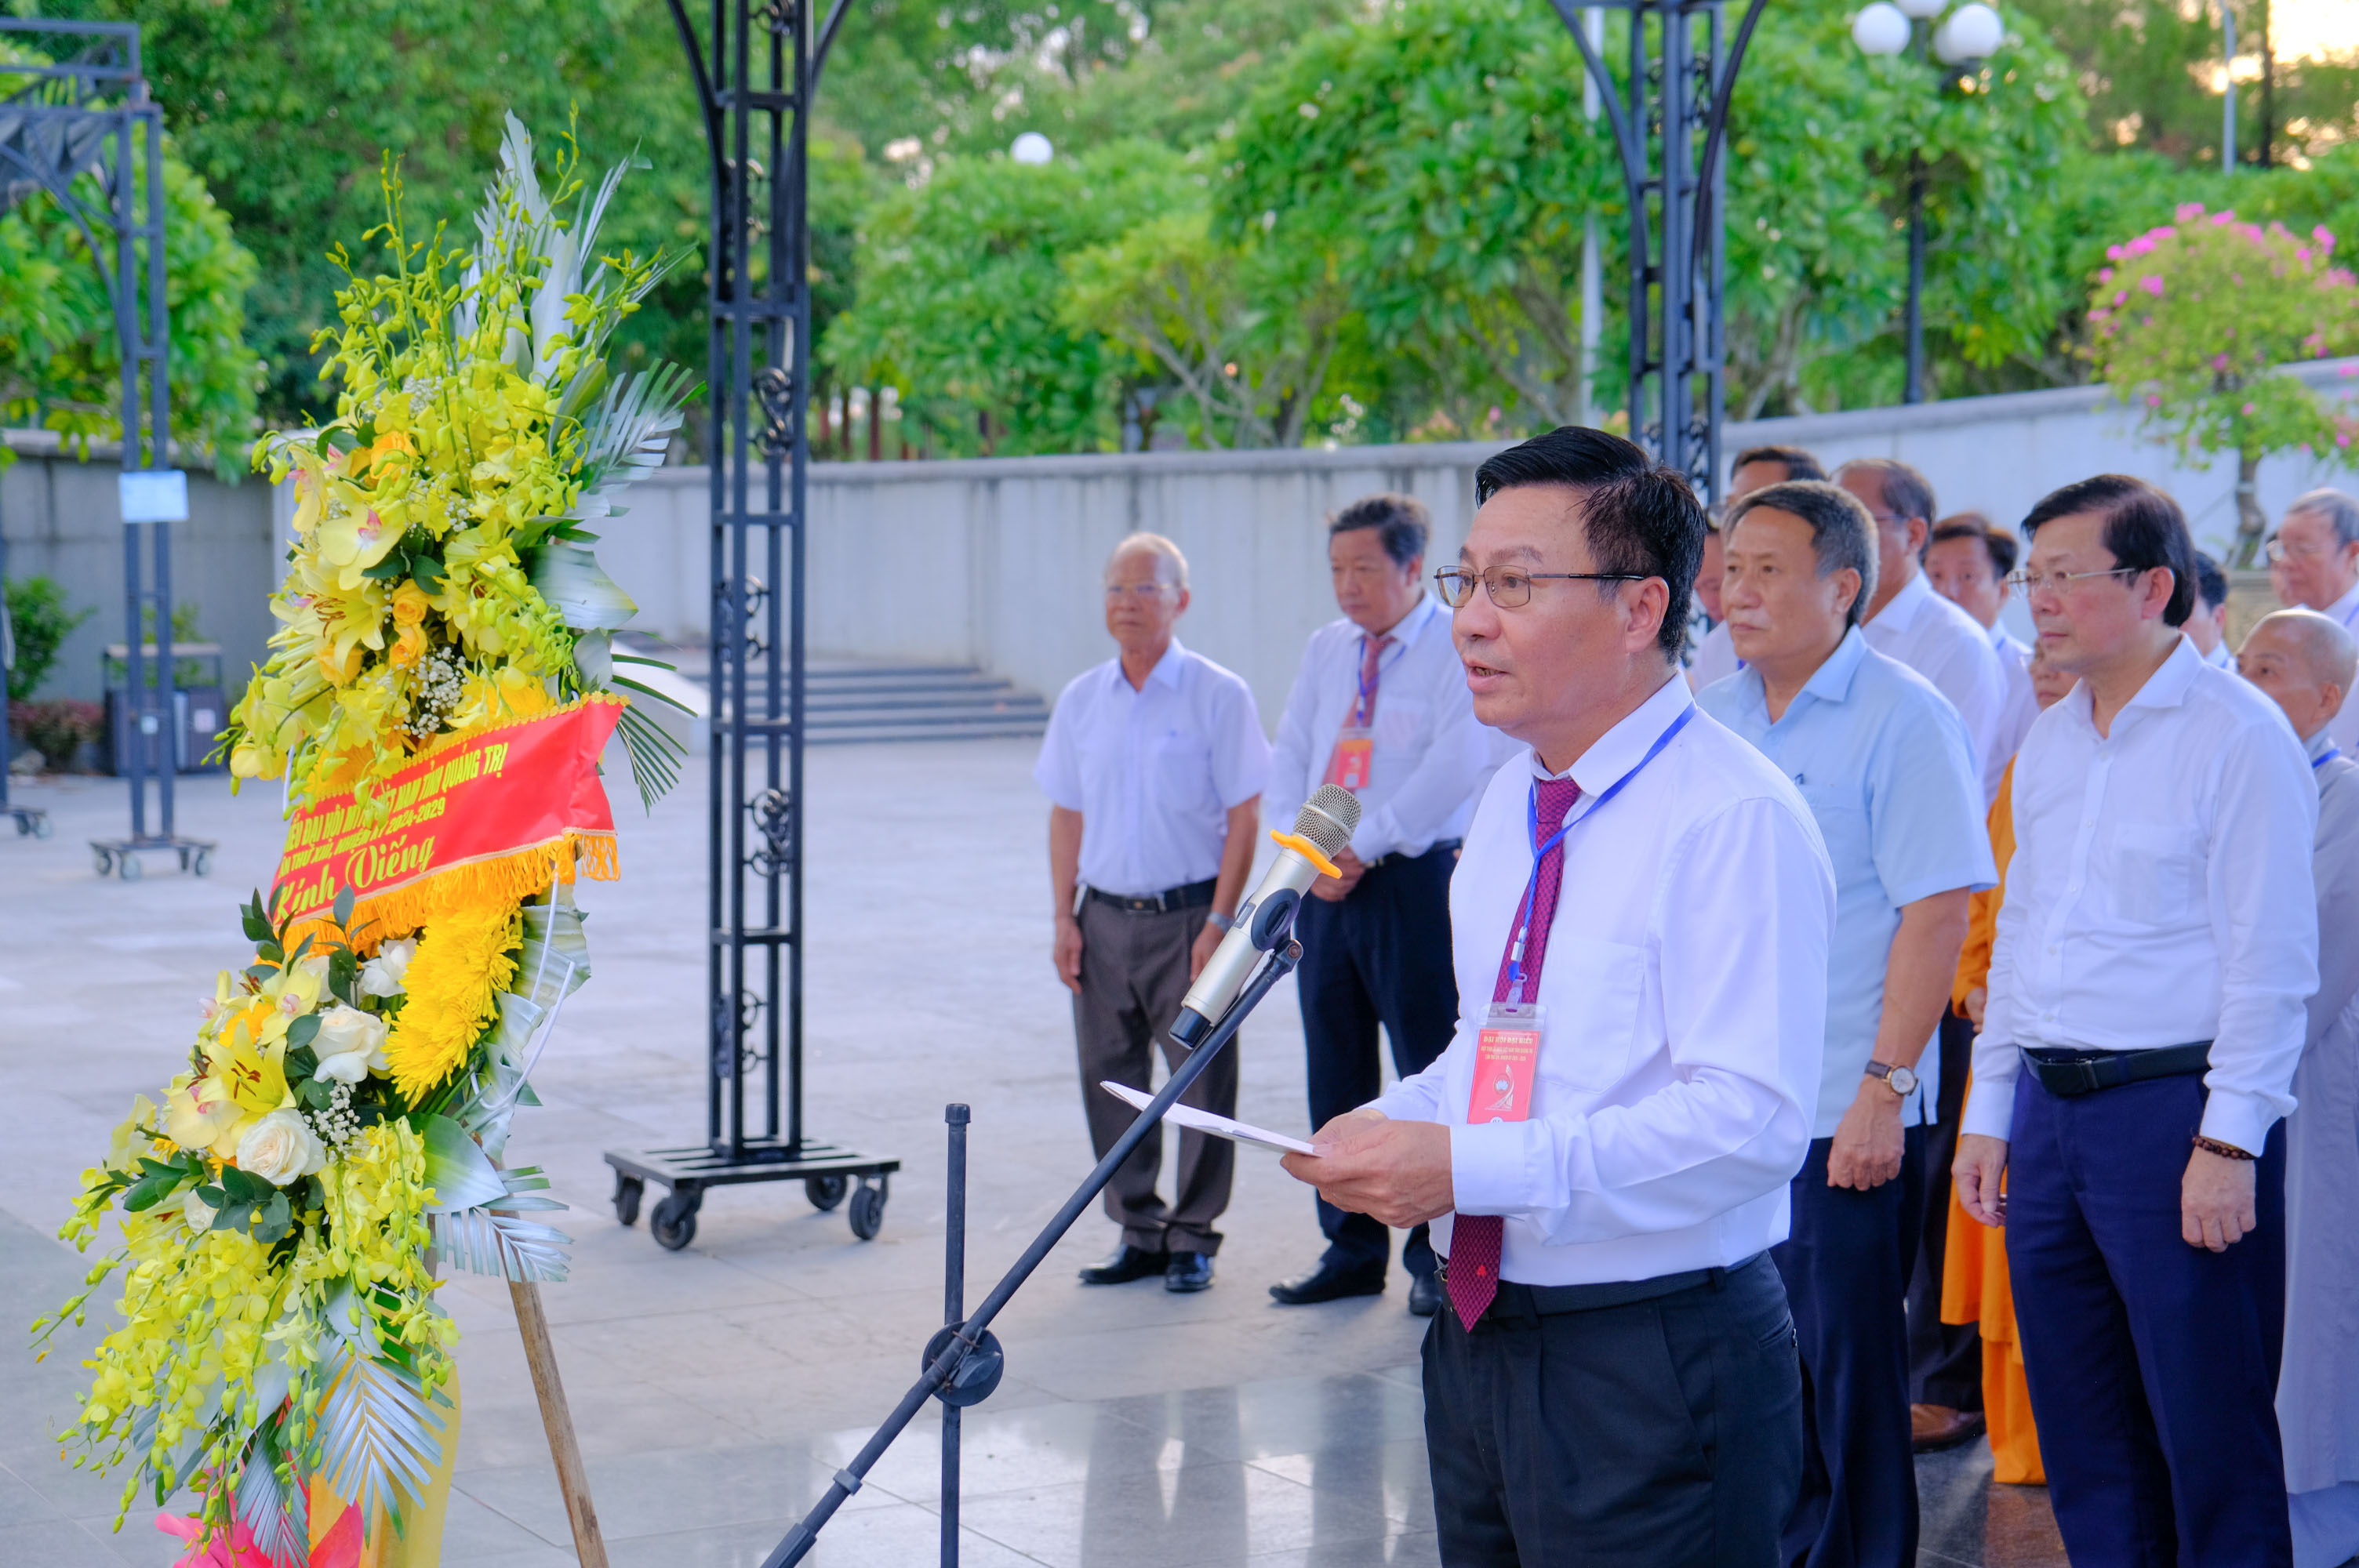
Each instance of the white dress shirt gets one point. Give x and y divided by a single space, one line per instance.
1950 648
2222 656
1430 753
1685 988
2344 725
2022 702
1714 658
2160 894
1154 771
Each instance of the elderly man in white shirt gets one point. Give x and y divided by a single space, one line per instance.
1155 763
1908 621
2144 1022
1641 921
1713 658
2314 564
1380 708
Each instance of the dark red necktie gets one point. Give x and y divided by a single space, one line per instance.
1475 1238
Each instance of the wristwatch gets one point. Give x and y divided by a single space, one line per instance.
1902 1081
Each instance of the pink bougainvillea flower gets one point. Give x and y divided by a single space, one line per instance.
2248 409
2112 253
2188 210
2152 285
2219 361
2223 220
2325 238
2153 400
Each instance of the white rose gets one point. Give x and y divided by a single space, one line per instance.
280 1148
349 1043
381 976
195 1210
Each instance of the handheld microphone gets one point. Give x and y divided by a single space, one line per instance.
1323 829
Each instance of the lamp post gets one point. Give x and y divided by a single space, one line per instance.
1960 43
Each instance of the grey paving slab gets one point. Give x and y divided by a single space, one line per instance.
716 1390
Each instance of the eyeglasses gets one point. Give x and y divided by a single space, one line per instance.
1141 591
2030 582
2279 551
1512 590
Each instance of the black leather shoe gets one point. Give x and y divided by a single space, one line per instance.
1425 1295
1126 1263
1329 1282
1188 1272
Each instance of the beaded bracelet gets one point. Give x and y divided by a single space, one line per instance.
2225 1151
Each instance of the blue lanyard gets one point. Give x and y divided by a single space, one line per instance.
2325 757
1540 850
1368 685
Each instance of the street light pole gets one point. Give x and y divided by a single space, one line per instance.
1913 388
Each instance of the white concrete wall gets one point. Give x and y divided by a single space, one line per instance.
996 561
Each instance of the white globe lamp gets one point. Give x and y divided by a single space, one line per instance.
1921 10
1031 147
1972 33
1880 28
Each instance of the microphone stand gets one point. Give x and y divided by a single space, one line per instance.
963 1361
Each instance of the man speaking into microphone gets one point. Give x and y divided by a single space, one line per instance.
1640 923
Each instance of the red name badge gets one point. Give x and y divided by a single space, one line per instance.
1506 1051
1352 761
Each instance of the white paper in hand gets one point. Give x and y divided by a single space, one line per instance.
1205 1121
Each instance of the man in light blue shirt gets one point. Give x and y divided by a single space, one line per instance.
1886 765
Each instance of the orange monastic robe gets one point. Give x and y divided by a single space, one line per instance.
1974 1286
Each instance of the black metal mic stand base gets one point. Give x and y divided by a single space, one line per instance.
963 1361
826 1171
31 821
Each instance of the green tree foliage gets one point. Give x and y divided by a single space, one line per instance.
961 286
2190 323
61 357
39 622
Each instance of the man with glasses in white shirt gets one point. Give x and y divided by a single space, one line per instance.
2145 1019
1379 708
1640 925
2314 564
1154 763
1908 621
1884 762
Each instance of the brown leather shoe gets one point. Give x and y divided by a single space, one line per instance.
1932 1428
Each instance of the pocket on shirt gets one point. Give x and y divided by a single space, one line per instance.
2157 870
1842 823
1591 990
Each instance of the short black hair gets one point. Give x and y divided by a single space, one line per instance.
1996 542
1799 464
1402 521
1638 515
1906 492
1841 532
2144 529
2210 583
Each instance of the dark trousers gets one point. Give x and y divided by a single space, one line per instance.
1945 1359
1662 1433
1845 1267
1133 973
1380 956
2153 1364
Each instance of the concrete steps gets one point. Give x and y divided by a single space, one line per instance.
848 702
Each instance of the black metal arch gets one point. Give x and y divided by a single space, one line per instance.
75 123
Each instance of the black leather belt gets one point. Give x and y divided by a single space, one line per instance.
1194 895
2070 1073
1549 1301
1438 847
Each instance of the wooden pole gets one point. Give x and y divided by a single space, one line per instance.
540 1355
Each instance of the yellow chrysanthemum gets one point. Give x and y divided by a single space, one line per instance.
463 965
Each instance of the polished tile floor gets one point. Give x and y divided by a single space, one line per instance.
717 1390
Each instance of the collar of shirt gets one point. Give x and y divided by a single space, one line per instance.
1167 670
2346 609
1412 626
1900 615
2220 657
2167 688
1611 755
2318 745
1830 682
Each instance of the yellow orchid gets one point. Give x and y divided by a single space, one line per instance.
197 1116
131 1138
359 537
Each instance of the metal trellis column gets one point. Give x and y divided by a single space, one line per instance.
755 69
80 127
1669 118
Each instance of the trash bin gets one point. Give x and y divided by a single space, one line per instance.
200 710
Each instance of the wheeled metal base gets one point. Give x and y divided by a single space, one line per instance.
826 1171
31 821
120 857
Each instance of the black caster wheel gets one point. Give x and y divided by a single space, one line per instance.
203 865
127 867
626 1197
43 826
104 860
673 1223
867 1212
825 1191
